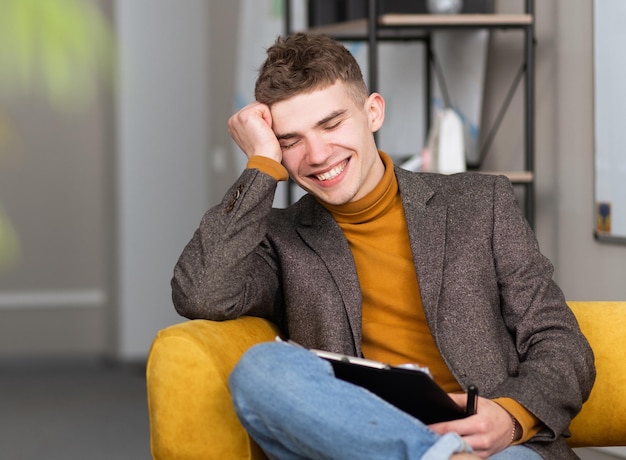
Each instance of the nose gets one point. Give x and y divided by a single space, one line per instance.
318 149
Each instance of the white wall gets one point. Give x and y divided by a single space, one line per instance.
162 122
564 144
587 269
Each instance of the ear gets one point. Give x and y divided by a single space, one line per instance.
375 107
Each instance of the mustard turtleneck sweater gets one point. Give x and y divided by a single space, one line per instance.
395 329
394 326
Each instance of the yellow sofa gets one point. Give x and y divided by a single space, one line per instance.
191 416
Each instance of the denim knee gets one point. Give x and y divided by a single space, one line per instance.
250 371
270 365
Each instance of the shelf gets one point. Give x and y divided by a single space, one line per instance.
455 20
357 29
377 28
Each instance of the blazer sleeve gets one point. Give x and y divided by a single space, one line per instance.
227 269
556 365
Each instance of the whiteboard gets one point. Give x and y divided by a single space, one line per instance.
610 120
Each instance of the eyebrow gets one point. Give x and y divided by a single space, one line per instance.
331 116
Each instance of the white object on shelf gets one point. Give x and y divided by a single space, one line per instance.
451 145
445 151
444 6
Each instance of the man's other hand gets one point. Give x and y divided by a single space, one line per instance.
487 432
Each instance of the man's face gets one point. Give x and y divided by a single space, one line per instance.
327 142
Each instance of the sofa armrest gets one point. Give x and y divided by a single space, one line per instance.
602 420
191 414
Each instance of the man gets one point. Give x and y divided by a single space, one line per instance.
383 263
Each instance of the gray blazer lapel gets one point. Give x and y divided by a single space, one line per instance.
426 223
322 234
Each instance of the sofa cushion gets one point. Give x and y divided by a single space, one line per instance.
602 421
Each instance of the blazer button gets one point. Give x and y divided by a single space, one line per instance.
236 196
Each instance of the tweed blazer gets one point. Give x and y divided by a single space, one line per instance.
497 317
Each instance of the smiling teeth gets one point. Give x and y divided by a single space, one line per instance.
332 173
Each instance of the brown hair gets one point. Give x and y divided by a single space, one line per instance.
302 63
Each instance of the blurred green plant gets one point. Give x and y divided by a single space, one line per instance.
59 49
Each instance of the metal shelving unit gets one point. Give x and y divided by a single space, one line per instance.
376 27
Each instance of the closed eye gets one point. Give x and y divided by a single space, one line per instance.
333 126
289 145
333 120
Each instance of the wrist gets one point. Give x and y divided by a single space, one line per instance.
268 166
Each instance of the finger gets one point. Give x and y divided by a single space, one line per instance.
459 399
266 114
462 427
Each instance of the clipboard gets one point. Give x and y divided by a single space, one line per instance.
411 389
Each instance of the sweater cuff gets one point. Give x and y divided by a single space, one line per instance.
527 421
268 166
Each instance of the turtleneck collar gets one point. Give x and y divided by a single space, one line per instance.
374 203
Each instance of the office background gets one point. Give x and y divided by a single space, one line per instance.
104 200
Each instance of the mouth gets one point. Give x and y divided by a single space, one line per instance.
332 173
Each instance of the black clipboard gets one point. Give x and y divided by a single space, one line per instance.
410 389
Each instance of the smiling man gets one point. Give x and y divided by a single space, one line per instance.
378 262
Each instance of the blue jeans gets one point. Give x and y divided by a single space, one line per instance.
290 402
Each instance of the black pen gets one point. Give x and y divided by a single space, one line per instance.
472 395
